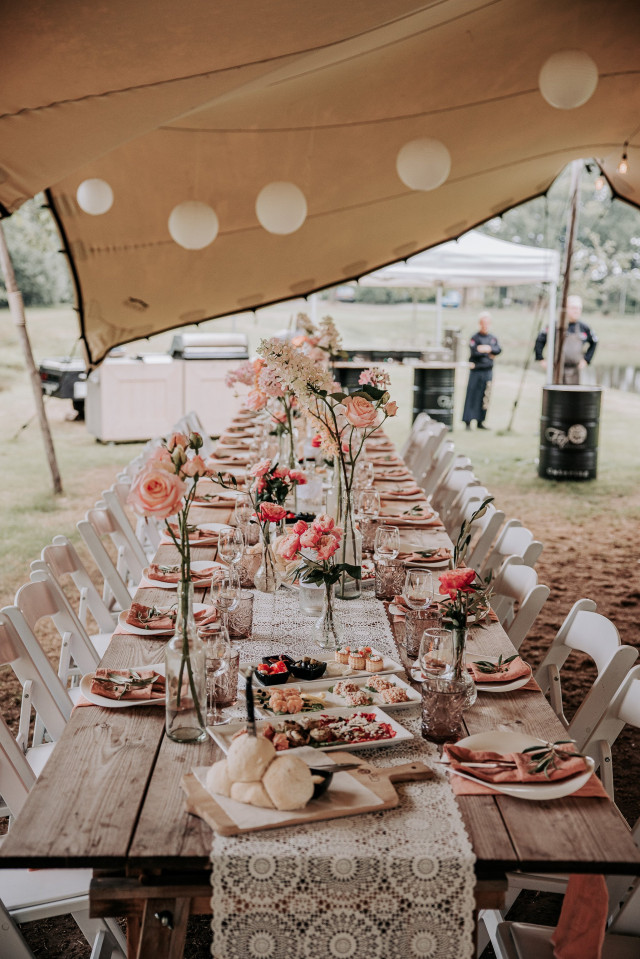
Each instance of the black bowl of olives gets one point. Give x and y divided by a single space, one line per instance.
308 668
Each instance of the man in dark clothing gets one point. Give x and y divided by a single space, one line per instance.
483 346
577 335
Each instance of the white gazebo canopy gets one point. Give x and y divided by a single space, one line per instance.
474 260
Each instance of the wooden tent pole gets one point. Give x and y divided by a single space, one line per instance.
16 307
558 365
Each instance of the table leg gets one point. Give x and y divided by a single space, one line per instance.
164 929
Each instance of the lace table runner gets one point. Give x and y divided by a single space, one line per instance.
398 884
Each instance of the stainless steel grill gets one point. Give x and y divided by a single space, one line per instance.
210 346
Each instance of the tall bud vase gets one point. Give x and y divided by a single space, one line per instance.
460 671
326 631
350 552
267 579
185 662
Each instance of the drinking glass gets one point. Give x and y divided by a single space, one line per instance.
243 510
436 652
443 701
363 474
222 677
241 616
387 543
367 503
231 545
416 621
418 588
389 579
225 591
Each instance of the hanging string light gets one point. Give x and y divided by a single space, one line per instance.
623 166
94 196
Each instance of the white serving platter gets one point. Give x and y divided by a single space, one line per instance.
332 700
336 671
223 735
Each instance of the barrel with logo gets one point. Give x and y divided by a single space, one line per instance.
433 388
569 428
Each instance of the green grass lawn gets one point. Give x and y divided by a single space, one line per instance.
31 515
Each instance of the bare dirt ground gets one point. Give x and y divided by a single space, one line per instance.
598 559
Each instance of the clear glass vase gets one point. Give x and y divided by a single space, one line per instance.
350 552
460 671
185 663
268 578
326 631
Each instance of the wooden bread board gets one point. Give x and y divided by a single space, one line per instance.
379 780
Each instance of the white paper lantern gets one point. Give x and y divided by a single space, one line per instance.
423 164
94 196
193 225
281 207
568 79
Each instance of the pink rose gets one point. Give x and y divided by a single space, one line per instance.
256 400
260 485
324 522
289 546
297 476
359 411
161 459
280 416
326 547
316 441
300 527
194 467
453 580
311 537
271 513
391 408
155 492
177 439
261 468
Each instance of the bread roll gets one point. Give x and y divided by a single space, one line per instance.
288 782
253 793
248 758
218 780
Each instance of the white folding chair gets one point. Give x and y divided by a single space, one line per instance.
94 528
484 531
586 631
440 465
469 494
514 540
115 499
61 560
191 423
517 598
25 895
419 425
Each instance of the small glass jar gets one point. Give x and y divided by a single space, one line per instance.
241 617
311 599
389 579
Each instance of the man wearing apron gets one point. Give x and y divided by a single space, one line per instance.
577 336
483 347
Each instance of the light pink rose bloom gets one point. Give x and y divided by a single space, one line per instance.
391 408
194 467
256 400
310 538
360 412
279 416
261 468
161 459
324 522
155 492
289 546
177 439
271 512
326 547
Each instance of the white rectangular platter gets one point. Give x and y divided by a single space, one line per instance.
223 735
322 689
336 671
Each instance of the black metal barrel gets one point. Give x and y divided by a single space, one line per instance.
569 429
433 389
348 376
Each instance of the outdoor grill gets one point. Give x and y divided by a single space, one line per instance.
210 346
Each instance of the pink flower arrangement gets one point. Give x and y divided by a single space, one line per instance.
156 492
261 468
271 513
257 400
360 412
322 538
454 580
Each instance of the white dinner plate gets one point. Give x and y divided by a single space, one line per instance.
85 689
223 735
497 687
197 565
137 631
511 742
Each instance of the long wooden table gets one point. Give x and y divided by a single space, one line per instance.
110 799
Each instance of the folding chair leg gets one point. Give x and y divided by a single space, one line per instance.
99 933
12 945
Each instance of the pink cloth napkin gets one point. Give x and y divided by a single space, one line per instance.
428 520
139 615
115 684
415 559
198 577
197 537
516 669
583 919
411 492
521 772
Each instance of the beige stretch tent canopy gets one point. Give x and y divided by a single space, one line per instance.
212 101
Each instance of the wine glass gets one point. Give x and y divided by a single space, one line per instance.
242 510
368 504
363 475
231 546
436 652
418 588
387 543
222 676
225 592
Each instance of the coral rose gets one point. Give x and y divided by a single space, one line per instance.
271 513
326 547
454 580
161 459
157 493
310 538
316 441
300 527
256 400
324 522
360 412
289 546
297 476
194 467
261 468
391 408
177 439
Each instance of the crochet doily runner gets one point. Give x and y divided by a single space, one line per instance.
398 884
